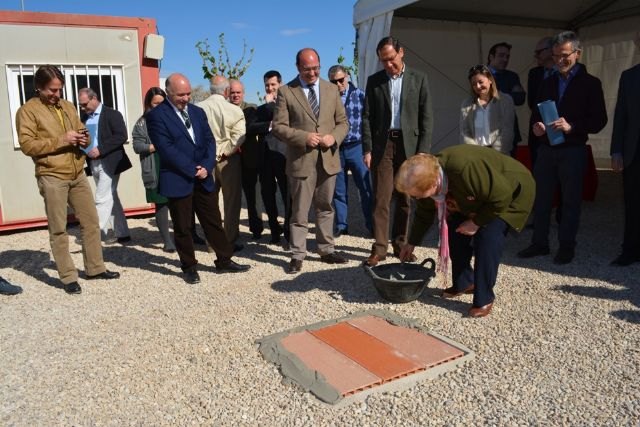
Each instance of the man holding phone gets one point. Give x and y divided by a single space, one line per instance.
48 131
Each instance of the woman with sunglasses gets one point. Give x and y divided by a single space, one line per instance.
486 117
150 166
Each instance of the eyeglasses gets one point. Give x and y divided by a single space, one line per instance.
336 81
310 69
478 69
563 56
83 105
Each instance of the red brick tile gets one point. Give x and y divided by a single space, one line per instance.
345 375
374 355
423 349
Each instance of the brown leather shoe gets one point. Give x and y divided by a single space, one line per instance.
373 260
396 253
453 292
295 265
480 311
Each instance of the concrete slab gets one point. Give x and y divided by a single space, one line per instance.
292 355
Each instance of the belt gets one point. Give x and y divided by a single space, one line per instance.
395 133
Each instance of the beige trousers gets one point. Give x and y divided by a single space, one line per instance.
57 194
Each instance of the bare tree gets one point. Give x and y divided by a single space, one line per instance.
222 65
199 93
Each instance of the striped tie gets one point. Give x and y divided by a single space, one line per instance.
313 102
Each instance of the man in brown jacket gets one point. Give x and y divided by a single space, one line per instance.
49 131
311 120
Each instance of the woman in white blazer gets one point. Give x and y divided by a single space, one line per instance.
486 117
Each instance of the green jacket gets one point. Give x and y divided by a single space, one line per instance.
485 184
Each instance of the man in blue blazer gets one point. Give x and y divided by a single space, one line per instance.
180 132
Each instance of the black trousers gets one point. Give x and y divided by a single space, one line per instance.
272 178
486 245
563 166
249 181
205 205
630 181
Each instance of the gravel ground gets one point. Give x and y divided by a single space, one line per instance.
562 346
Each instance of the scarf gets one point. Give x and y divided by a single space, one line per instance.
443 246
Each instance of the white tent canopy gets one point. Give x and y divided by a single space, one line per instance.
446 37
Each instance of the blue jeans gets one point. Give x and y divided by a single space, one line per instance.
351 160
486 245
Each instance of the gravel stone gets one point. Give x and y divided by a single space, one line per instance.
561 347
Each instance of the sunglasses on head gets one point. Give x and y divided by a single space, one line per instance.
478 69
336 81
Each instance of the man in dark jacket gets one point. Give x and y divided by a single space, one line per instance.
107 160
625 158
507 82
581 110
396 124
477 195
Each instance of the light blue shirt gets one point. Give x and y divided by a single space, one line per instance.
92 125
395 91
305 88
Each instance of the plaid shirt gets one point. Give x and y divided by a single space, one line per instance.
353 105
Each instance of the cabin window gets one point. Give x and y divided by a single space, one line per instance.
106 80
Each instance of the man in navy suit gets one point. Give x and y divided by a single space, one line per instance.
181 134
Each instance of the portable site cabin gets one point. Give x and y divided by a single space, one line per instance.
447 37
116 56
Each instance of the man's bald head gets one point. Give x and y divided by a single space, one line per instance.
308 64
178 90
236 92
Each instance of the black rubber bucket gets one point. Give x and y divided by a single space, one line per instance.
401 282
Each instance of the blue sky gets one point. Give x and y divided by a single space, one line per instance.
275 29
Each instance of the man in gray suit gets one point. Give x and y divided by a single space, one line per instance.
625 157
396 124
311 120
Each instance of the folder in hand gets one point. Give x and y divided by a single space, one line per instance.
549 114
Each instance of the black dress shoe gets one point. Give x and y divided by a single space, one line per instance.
230 266
275 239
124 239
256 235
7 288
105 275
564 256
341 232
625 259
191 276
72 288
333 258
533 250
295 265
